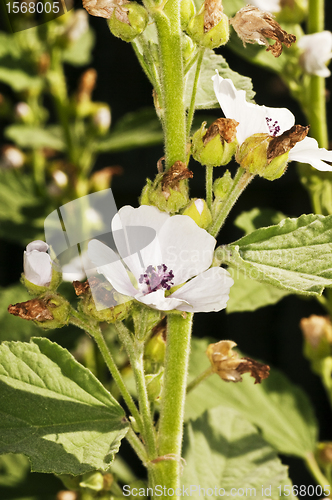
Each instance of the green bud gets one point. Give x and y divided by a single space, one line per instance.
134 19
109 314
58 307
154 385
317 333
156 347
144 318
199 212
134 424
188 48
253 156
217 145
187 12
222 185
204 30
171 201
93 481
292 11
37 290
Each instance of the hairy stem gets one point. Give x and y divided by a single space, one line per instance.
194 383
191 110
315 471
209 185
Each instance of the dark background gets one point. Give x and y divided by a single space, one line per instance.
271 334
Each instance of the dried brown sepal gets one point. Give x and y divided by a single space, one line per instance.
34 309
257 370
213 10
81 288
315 328
160 167
101 8
225 127
254 26
178 172
286 141
229 366
86 85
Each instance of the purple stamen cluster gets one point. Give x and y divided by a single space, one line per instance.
274 128
156 278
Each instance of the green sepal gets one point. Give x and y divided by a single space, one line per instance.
137 17
222 185
144 318
204 218
171 201
154 385
187 12
37 290
109 314
155 349
92 481
59 307
214 153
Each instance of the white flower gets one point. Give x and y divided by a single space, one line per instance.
37 263
271 6
255 119
171 270
317 52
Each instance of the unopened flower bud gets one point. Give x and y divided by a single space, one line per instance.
23 112
254 26
11 157
77 25
210 27
93 481
324 454
317 332
49 311
154 385
187 12
188 48
102 178
317 52
216 145
222 185
102 119
156 346
199 212
229 366
128 21
86 85
39 274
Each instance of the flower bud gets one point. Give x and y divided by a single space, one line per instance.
215 146
102 178
222 185
39 275
324 454
93 481
187 12
128 21
23 113
210 27
155 348
102 119
154 385
11 157
199 212
317 333
188 48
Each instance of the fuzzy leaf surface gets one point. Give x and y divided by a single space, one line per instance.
223 450
280 409
54 410
295 255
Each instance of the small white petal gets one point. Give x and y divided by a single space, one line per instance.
187 249
317 52
307 151
109 265
207 292
39 245
271 6
157 300
38 267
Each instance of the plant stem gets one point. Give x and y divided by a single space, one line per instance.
316 105
194 383
315 471
135 350
137 445
172 80
240 182
173 398
191 110
95 332
208 185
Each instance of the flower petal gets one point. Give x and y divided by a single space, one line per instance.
207 292
251 117
187 249
139 248
307 151
38 267
109 264
157 300
317 51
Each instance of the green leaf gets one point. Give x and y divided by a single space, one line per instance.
26 136
257 218
295 255
279 408
21 211
79 53
206 98
248 295
223 450
135 130
55 411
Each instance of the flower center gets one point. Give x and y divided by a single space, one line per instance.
274 127
156 278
